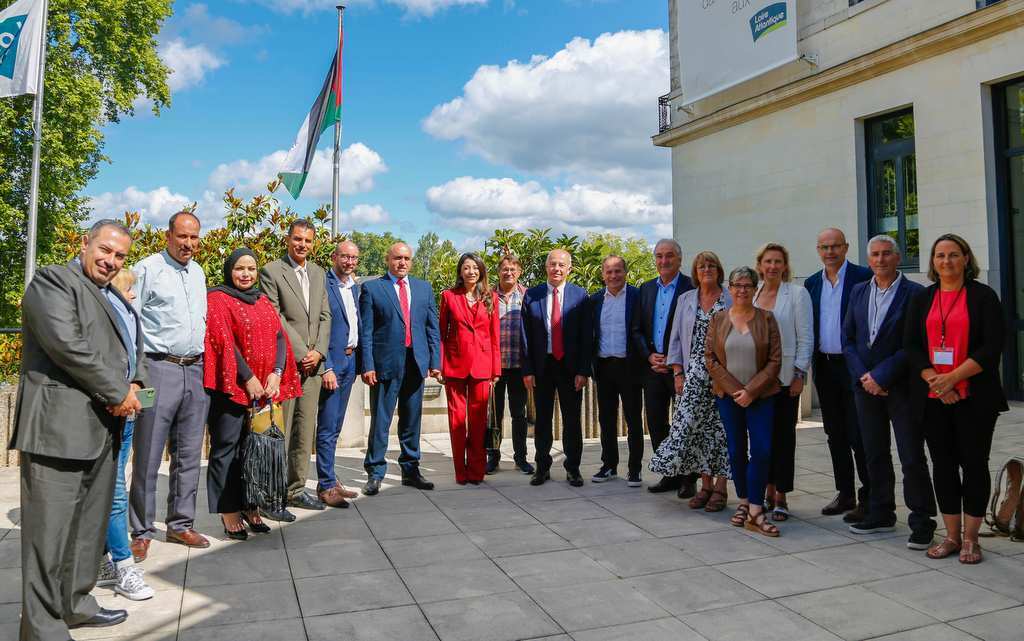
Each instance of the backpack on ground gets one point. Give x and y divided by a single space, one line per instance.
1006 512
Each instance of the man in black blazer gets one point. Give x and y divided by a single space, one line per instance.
82 363
618 370
830 296
651 330
556 342
873 345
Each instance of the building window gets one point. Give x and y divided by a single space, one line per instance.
981 3
892 182
1008 100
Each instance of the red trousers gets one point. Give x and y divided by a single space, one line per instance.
468 429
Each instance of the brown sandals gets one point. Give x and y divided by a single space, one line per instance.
700 499
717 501
970 552
761 525
945 548
741 515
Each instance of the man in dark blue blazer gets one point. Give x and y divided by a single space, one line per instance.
618 370
652 328
556 341
878 366
399 345
341 366
830 297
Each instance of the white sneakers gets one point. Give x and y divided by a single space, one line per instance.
130 584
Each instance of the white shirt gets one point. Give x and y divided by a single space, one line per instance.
613 325
398 291
831 321
349 301
547 318
878 305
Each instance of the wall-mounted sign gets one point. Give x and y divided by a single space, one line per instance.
725 42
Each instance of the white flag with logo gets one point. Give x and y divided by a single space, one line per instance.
21 26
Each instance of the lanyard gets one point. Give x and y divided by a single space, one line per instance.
944 315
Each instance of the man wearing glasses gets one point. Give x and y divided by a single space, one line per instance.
830 296
340 367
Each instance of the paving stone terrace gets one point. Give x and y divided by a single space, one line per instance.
506 561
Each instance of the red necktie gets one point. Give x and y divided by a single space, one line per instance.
403 298
557 344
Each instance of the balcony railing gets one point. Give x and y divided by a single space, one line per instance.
664 114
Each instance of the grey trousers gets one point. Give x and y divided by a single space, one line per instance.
300 432
65 505
177 419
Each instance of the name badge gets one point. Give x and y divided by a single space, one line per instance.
942 356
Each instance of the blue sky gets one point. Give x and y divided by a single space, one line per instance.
460 115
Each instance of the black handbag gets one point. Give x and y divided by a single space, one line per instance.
264 458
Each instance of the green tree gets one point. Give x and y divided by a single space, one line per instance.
102 56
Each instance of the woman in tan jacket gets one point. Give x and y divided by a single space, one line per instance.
744 353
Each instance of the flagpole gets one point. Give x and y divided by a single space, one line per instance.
37 141
336 185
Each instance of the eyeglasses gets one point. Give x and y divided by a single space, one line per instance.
833 248
347 257
744 287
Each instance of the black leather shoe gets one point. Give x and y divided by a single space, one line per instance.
539 478
839 505
417 481
493 456
666 484
305 501
687 490
575 480
856 515
525 467
102 619
372 487
281 516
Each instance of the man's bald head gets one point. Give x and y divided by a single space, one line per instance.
399 259
345 259
832 248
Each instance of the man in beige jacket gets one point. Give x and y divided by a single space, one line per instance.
297 289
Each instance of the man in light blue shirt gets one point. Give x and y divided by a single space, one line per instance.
171 301
830 294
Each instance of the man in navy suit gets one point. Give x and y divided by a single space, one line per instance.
340 369
618 370
830 297
399 345
652 328
556 341
873 345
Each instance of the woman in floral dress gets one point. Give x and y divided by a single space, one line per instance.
696 443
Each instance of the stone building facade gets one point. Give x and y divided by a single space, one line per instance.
903 117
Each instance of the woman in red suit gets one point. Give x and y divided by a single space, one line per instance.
470 362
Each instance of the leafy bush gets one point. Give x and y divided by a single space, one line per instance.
261 222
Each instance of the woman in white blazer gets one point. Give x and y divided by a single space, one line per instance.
791 306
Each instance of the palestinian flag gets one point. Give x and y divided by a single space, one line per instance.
325 112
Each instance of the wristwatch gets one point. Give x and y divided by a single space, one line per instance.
278 371
799 373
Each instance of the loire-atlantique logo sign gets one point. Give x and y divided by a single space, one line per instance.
768 19
10 30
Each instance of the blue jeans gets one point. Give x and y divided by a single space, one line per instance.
330 418
118 543
749 474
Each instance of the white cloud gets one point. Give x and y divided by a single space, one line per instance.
425 8
586 113
365 215
189 64
155 206
359 167
197 24
478 205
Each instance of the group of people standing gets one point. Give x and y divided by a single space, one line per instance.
733 353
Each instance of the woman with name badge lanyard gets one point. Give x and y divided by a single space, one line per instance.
954 337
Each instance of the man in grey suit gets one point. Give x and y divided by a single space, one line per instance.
297 289
82 363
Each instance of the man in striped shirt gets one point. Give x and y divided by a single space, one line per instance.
510 302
